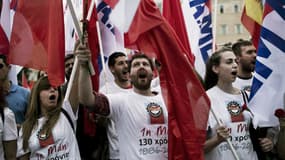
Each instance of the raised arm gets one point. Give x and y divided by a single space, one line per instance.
85 89
94 101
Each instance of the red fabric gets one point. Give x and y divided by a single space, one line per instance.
173 13
37 39
187 102
4 42
252 26
93 44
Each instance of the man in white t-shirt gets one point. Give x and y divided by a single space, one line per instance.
118 66
140 115
246 58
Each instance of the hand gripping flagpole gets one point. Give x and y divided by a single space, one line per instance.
228 140
75 65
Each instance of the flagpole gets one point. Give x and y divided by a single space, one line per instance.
75 65
73 15
214 25
228 140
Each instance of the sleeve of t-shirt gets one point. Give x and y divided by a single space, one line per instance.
10 127
116 101
67 107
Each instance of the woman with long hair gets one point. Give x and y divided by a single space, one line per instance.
48 131
8 130
227 105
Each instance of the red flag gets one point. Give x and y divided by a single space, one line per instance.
93 41
4 42
173 9
187 102
37 39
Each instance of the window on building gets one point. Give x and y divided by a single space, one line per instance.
221 9
236 8
224 29
238 29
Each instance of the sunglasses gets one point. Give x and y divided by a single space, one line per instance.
1 65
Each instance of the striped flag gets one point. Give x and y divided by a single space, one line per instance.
268 88
252 18
198 19
112 36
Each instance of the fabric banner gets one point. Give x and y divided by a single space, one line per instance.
173 13
268 88
198 20
37 38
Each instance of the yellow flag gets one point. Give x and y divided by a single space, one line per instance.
254 9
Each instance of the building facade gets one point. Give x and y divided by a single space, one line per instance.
228 24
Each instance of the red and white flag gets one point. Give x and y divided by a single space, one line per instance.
37 38
173 9
187 102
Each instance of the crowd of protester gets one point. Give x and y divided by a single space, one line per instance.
125 118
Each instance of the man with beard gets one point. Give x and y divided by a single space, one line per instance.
262 138
140 115
246 57
118 66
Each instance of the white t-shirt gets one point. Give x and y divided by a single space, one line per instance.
112 88
226 107
155 85
8 131
138 138
65 144
243 84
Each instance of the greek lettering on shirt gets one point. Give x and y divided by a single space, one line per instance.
239 137
55 152
153 141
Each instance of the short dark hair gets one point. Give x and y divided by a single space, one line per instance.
140 55
114 56
4 58
236 47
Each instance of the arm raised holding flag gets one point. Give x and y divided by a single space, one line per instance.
139 115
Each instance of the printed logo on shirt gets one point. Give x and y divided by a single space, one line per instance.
156 113
235 111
